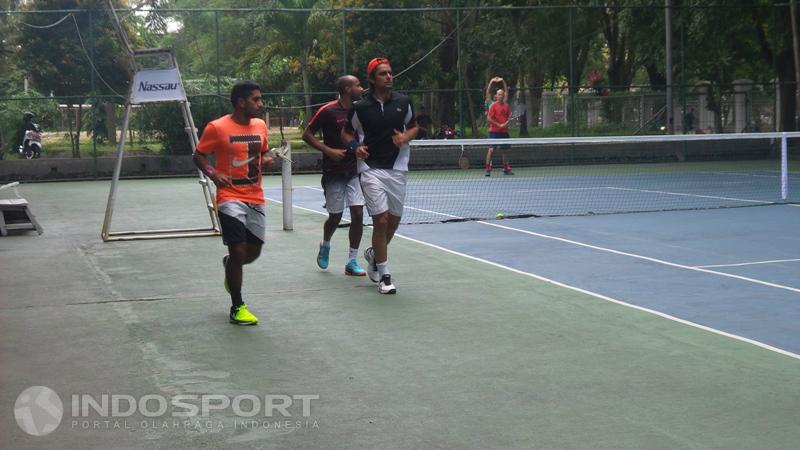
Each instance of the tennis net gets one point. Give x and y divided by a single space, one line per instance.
599 175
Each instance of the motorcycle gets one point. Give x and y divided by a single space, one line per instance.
32 143
445 132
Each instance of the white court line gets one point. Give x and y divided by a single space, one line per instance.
680 194
406 207
433 212
593 294
646 258
738 174
632 255
612 300
750 263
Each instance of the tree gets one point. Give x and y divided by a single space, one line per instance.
11 75
295 36
774 37
63 54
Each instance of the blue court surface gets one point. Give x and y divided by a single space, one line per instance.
732 271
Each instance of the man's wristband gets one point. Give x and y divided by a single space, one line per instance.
210 171
352 146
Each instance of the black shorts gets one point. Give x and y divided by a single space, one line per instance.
241 222
497 135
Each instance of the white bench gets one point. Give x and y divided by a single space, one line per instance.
15 214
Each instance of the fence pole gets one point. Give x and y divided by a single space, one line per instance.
668 69
93 96
571 119
216 66
344 42
460 81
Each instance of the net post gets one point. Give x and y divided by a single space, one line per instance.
784 167
286 181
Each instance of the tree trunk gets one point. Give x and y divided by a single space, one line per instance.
470 103
658 80
535 83
71 134
76 149
716 95
788 98
448 56
522 100
306 92
581 56
111 122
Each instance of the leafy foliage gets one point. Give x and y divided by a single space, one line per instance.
296 48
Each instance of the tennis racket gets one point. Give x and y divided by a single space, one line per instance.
283 150
463 161
517 112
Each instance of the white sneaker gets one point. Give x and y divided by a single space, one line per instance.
372 268
386 286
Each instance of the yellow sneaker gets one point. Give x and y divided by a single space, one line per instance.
241 316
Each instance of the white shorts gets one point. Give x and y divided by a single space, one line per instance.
384 190
341 192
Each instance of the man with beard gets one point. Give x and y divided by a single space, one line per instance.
339 175
239 143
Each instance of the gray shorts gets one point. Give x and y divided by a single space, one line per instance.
384 190
341 192
242 222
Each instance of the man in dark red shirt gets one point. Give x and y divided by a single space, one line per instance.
498 117
339 174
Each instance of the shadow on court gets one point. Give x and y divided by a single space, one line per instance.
467 355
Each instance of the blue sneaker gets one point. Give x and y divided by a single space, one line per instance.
322 256
353 269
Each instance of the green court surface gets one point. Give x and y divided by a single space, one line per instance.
467 355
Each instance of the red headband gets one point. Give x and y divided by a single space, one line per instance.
375 62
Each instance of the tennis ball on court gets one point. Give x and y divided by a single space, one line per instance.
500 216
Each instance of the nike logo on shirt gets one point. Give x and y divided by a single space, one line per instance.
241 162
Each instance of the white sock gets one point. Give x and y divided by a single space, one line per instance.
326 244
383 268
352 254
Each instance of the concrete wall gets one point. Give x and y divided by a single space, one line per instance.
132 166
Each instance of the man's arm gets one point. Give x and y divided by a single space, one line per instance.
401 137
205 166
490 116
349 137
334 153
207 145
489 87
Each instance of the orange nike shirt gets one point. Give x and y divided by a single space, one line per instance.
238 149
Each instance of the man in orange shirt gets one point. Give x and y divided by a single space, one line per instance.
239 143
498 118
